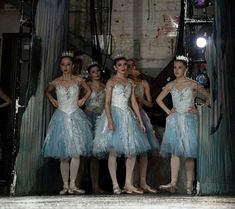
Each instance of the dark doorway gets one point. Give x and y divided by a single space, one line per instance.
14 78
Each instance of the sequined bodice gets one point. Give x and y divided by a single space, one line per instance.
182 99
67 98
139 90
95 103
121 94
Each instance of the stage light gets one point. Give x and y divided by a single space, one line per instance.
201 42
201 3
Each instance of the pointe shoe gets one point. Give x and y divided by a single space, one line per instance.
98 191
117 190
75 190
169 188
64 191
189 190
149 190
132 190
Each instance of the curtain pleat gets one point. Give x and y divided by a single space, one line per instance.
216 162
51 26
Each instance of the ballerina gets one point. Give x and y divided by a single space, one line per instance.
142 92
69 133
117 130
181 134
94 106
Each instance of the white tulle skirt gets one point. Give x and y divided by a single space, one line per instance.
127 137
181 135
68 135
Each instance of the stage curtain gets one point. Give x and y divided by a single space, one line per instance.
50 30
216 161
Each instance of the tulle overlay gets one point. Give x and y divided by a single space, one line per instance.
149 131
127 138
94 107
92 117
181 135
68 135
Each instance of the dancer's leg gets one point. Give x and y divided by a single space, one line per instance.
189 167
129 188
175 166
64 170
74 166
143 174
94 170
112 165
130 163
143 170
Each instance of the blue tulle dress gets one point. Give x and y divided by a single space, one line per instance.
139 93
181 133
69 133
127 137
95 106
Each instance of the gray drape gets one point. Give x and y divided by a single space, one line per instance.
51 22
216 162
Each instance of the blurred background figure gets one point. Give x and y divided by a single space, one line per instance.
5 100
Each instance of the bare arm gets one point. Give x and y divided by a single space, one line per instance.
5 98
161 96
50 88
135 107
204 92
87 90
108 96
148 101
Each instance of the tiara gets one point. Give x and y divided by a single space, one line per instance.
182 58
117 56
93 63
67 54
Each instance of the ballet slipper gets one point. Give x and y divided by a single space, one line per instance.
189 190
75 190
98 190
132 190
117 190
169 188
64 191
149 190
